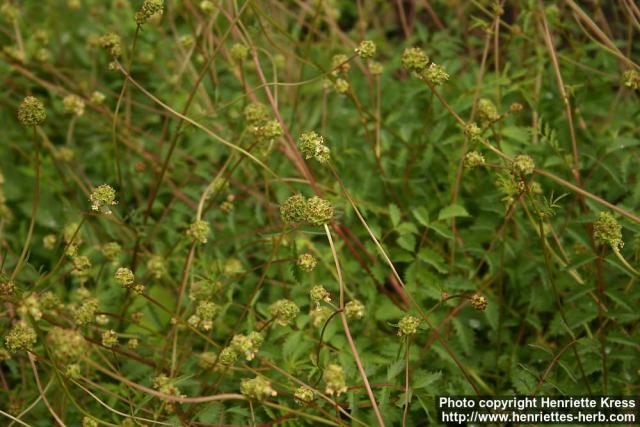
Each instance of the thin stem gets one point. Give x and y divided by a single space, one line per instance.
345 324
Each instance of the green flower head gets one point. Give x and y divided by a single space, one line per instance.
31 112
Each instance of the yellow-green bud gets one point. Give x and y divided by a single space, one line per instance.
408 325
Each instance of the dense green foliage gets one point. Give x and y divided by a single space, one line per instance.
260 212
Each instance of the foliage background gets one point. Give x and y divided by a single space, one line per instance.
562 313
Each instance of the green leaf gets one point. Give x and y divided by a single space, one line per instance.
452 211
395 214
422 215
433 259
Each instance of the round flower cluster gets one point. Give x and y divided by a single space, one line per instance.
319 315
111 251
434 74
102 198
164 385
478 302
124 276
156 266
340 64
341 86
20 337
408 325
487 111
256 113
335 383
414 59
631 79
354 309
86 311
112 43
608 231
31 112
148 9
315 211
366 49
73 104
318 293
473 159
67 345
248 345
198 231
303 395
522 165
312 146
239 52
473 132
284 311
306 262
203 317
109 338
257 388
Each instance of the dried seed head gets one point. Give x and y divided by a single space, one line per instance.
340 64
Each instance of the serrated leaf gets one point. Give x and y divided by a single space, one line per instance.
452 211
433 259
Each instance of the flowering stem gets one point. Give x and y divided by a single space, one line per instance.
34 208
345 324
625 262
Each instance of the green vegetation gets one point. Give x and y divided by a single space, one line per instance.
269 212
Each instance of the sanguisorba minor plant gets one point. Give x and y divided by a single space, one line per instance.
260 212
